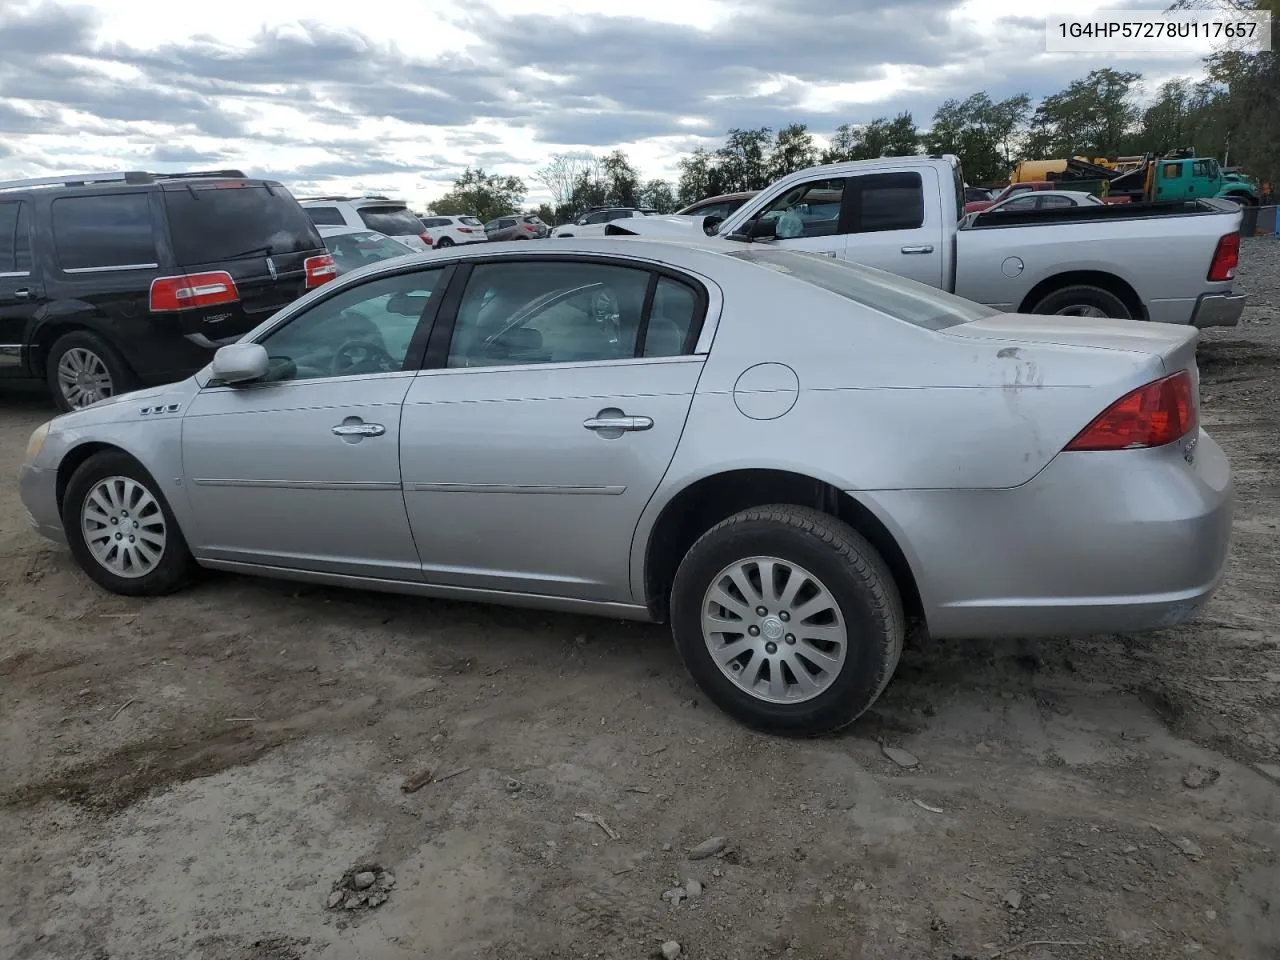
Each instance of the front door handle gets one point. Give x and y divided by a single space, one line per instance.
918 248
25 293
620 424
358 429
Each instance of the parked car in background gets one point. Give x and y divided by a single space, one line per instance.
353 248
681 468
391 218
1040 200
720 206
109 281
518 226
977 194
1168 262
446 232
593 222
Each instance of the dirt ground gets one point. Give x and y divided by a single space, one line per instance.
190 777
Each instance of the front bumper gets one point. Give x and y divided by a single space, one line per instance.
38 488
1219 310
1112 542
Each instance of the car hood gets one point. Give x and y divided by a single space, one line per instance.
671 225
149 403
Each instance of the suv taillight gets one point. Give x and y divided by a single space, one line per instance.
530 228
192 290
319 270
1151 416
425 238
465 230
1225 259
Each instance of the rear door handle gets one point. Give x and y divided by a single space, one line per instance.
605 424
24 293
918 248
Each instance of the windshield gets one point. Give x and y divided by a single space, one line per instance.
902 299
209 223
353 250
394 220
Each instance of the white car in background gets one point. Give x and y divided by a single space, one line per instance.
354 247
593 222
454 231
391 218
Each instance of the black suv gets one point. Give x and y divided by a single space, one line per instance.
110 281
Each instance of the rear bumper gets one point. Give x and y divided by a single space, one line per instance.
1219 309
1097 543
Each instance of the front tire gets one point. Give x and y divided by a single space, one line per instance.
83 368
1083 300
121 530
787 619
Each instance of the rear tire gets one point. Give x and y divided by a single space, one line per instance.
843 624
109 499
444 243
83 368
1083 300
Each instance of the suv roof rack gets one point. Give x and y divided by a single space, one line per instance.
111 176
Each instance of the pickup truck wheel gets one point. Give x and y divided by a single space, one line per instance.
82 369
787 619
121 530
1083 300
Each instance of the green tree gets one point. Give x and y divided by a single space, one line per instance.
660 195
793 150
744 160
1093 116
480 194
621 180
983 133
699 177
881 137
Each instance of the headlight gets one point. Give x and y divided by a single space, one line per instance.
36 443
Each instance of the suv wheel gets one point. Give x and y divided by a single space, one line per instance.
121 530
83 368
787 619
1083 300
443 243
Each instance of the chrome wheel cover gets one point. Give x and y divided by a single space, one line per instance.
123 527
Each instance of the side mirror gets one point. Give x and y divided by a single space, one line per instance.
761 229
240 363
580 222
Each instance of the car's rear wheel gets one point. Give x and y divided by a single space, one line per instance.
787 619
121 530
82 368
443 243
1083 300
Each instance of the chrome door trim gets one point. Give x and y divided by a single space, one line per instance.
299 484
604 491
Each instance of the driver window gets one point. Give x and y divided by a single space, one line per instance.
362 330
548 312
809 210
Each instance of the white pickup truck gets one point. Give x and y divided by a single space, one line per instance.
1168 262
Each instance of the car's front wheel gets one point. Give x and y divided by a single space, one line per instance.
121 530
787 619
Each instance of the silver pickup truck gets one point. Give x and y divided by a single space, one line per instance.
1172 262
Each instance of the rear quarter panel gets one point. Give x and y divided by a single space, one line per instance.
1162 259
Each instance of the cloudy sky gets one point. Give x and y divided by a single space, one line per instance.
400 97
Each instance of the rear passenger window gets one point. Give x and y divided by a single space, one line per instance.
672 320
390 220
891 201
111 232
15 239
325 216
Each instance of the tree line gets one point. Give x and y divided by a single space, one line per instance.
1233 114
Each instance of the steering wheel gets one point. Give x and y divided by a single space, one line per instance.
361 356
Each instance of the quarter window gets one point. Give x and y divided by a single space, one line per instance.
365 330
325 216
672 320
547 312
113 230
15 238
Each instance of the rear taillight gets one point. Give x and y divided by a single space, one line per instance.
465 230
1225 259
425 238
529 228
319 270
192 291
1150 416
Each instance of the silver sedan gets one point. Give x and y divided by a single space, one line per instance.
786 457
